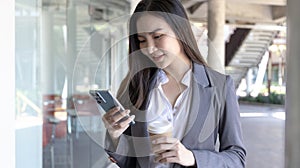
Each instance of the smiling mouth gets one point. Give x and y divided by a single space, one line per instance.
158 58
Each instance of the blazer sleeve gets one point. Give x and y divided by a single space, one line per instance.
232 153
122 154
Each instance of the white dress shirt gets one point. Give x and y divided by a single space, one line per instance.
161 108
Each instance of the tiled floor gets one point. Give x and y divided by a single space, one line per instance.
75 152
263 128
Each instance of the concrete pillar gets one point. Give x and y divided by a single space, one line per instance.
7 89
249 81
269 73
71 46
280 70
216 42
70 61
47 58
292 129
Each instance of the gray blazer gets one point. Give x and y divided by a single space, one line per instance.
213 132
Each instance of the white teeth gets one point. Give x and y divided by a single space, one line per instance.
157 56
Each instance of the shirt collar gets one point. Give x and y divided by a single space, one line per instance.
186 80
163 78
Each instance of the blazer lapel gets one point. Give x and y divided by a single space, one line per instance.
199 119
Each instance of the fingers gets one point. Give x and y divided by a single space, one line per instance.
161 145
167 157
164 139
115 115
166 149
124 124
112 111
173 153
117 122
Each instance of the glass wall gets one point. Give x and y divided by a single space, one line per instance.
28 88
27 51
64 49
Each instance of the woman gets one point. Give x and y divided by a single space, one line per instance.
168 79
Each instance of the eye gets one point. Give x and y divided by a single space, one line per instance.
158 36
141 40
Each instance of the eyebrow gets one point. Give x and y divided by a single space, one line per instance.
158 29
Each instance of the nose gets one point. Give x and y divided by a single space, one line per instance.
151 48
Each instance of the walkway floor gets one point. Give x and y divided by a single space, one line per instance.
263 129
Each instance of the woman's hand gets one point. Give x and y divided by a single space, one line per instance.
112 122
171 150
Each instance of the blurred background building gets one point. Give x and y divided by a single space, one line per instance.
64 48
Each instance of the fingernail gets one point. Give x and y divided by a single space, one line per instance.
132 117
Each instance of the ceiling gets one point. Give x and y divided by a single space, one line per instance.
241 12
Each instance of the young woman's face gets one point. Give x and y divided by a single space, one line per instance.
158 41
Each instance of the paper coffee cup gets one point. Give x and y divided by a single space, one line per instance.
160 128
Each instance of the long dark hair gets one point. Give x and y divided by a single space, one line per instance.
140 80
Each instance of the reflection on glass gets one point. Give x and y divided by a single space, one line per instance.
63 50
27 58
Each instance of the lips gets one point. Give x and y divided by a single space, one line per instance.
157 58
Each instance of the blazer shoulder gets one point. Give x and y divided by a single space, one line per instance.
216 78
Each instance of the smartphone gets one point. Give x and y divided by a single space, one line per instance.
107 101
